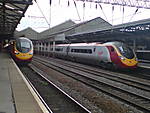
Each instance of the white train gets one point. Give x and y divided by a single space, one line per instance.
110 54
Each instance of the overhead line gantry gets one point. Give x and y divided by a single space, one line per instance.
130 3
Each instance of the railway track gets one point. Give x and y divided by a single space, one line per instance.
131 90
122 78
142 72
56 100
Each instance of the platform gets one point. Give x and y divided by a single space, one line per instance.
15 96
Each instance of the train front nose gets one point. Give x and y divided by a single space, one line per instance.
132 63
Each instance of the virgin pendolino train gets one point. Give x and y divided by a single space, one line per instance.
22 50
111 54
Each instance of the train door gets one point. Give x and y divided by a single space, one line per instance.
67 50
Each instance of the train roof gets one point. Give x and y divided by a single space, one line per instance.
113 43
82 44
25 38
92 44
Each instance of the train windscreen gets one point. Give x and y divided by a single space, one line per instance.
23 45
125 50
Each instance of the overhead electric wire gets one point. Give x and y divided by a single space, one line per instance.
112 14
131 17
50 16
42 13
134 14
83 10
123 15
77 9
76 25
113 19
103 11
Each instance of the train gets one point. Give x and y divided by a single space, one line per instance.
108 55
21 50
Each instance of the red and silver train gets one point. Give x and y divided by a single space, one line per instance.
110 54
22 50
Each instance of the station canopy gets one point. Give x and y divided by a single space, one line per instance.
137 29
11 12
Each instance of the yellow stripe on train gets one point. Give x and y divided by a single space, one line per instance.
23 56
129 62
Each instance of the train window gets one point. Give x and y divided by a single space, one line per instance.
125 50
89 51
94 49
78 50
51 49
72 50
58 49
112 49
23 45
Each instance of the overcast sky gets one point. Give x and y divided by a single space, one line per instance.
61 12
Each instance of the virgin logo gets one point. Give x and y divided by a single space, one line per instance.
100 53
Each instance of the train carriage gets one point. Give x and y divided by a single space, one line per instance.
110 54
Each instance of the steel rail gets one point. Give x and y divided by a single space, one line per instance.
122 78
38 71
120 91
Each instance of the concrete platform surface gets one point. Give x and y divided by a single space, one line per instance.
15 97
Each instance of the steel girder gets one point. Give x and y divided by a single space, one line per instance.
130 3
11 12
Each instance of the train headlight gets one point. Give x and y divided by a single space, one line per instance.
16 52
136 59
122 58
31 53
